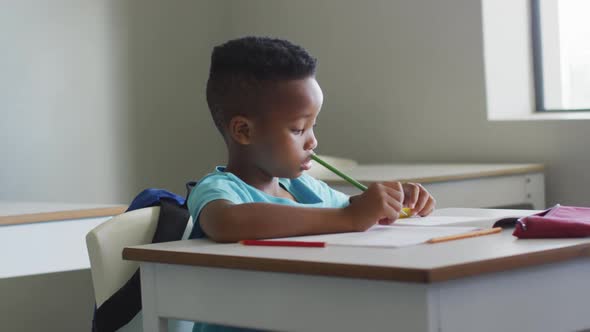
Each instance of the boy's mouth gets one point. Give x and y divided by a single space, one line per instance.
306 165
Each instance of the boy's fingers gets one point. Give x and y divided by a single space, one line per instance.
396 207
428 206
411 194
397 195
396 186
392 199
390 208
421 199
385 221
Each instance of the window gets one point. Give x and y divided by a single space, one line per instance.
561 54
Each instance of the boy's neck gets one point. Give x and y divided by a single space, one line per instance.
256 178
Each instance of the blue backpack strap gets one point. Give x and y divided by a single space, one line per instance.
152 197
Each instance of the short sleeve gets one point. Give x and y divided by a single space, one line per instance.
331 197
211 188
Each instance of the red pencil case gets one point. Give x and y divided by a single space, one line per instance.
556 222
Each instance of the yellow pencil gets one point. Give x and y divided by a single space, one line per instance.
465 235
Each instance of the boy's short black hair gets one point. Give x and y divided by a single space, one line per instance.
241 66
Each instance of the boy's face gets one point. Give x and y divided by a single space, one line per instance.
283 135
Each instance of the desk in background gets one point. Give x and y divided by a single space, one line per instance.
489 283
455 185
47 237
44 261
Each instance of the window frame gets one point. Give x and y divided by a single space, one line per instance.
537 62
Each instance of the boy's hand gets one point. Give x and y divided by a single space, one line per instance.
381 202
417 198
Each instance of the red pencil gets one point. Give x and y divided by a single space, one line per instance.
279 243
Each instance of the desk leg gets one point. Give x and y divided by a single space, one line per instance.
151 321
550 297
535 190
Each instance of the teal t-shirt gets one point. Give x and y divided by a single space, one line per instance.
308 192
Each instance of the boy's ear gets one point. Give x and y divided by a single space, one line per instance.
241 129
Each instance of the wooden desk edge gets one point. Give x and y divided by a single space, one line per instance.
415 275
509 263
536 168
61 215
274 265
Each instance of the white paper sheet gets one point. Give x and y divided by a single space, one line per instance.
391 236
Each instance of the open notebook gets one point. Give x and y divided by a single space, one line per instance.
481 222
390 236
404 232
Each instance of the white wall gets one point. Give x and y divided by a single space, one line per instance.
404 81
100 99
93 92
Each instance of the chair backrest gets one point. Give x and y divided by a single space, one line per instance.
105 246
110 272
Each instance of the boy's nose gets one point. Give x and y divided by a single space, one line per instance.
311 142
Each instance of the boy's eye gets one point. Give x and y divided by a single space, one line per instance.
297 131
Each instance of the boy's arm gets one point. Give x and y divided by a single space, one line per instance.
224 221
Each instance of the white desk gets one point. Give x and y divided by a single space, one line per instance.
45 247
454 185
491 283
42 263
38 246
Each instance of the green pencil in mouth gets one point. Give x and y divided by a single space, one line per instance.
405 211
